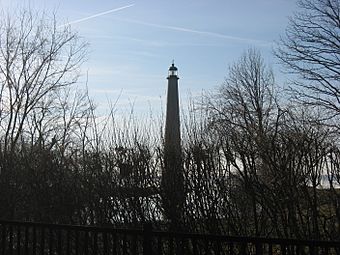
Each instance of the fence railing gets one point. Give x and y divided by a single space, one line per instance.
40 238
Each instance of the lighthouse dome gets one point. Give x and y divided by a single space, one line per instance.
173 67
173 71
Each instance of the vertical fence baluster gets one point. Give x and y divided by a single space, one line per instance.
34 241
231 248
50 241
59 242
68 240
95 243
171 244
297 249
177 243
194 246
18 239
114 244
106 252
3 238
134 244
147 245
86 243
11 239
326 250
26 239
258 247
77 242
283 249
3 241
218 247
206 246
124 244
159 245
243 248
312 249
270 249
183 246
42 241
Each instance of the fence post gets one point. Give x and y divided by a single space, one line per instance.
258 247
147 240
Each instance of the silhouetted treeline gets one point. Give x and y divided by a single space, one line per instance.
256 160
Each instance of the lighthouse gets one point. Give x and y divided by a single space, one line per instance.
172 124
172 174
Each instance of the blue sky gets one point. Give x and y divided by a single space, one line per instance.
132 48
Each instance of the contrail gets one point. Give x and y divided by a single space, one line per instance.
193 31
97 15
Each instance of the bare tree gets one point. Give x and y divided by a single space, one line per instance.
37 58
275 154
242 112
311 49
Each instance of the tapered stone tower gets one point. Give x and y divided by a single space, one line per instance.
172 176
172 125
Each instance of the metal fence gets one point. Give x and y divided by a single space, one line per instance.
39 238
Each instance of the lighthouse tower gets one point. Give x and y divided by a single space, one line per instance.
172 176
172 125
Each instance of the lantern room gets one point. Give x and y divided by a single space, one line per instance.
172 70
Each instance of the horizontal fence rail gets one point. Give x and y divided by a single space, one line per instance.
40 238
